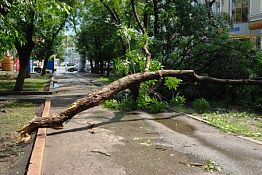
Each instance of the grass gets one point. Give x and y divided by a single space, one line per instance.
239 123
36 83
107 80
12 117
211 166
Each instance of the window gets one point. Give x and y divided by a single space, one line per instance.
240 10
260 4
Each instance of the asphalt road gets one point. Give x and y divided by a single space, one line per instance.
138 143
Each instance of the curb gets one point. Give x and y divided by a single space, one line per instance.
206 122
26 93
36 159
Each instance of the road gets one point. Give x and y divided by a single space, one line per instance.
138 143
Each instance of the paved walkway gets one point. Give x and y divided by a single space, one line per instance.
135 143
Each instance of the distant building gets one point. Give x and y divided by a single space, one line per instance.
246 16
255 20
70 53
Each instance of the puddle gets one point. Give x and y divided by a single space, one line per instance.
177 126
186 129
55 85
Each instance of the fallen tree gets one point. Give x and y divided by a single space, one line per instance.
99 96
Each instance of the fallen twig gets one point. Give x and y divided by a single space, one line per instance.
101 152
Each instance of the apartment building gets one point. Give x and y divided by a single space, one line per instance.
246 16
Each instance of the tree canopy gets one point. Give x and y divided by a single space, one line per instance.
145 38
134 36
31 23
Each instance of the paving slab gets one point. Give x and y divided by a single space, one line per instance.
100 141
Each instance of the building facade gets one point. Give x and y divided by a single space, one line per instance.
246 16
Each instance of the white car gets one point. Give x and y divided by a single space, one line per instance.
71 67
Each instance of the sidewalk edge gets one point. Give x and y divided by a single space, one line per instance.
36 160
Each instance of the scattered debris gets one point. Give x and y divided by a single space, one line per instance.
153 133
147 143
209 165
92 132
161 148
192 164
101 152
2 110
136 138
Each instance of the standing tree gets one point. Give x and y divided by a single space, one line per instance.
49 35
180 31
90 42
25 17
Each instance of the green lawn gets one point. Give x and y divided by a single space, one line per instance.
12 117
237 123
35 83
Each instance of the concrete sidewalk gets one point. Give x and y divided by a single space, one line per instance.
136 143
81 150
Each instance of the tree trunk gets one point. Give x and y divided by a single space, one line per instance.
23 71
155 8
96 68
44 66
135 90
145 20
82 63
99 96
24 53
108 68
101 66
91 65
143 29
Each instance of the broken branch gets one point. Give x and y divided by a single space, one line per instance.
99 96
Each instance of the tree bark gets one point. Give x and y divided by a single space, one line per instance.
82 63
19 84
24 53
108 68
99 96
44 66
91 65
155 9
143 29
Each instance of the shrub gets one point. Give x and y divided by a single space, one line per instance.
111 104
201 105
178 100
125 104
157 106
152 104
172 83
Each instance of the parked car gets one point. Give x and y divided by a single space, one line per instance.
63 64
71 67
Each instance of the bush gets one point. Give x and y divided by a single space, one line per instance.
201 105
152 104
258 105
157 106
111 104
178 100
126 104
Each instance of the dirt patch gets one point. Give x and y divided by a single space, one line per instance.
13 155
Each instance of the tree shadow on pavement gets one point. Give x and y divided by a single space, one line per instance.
118 117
